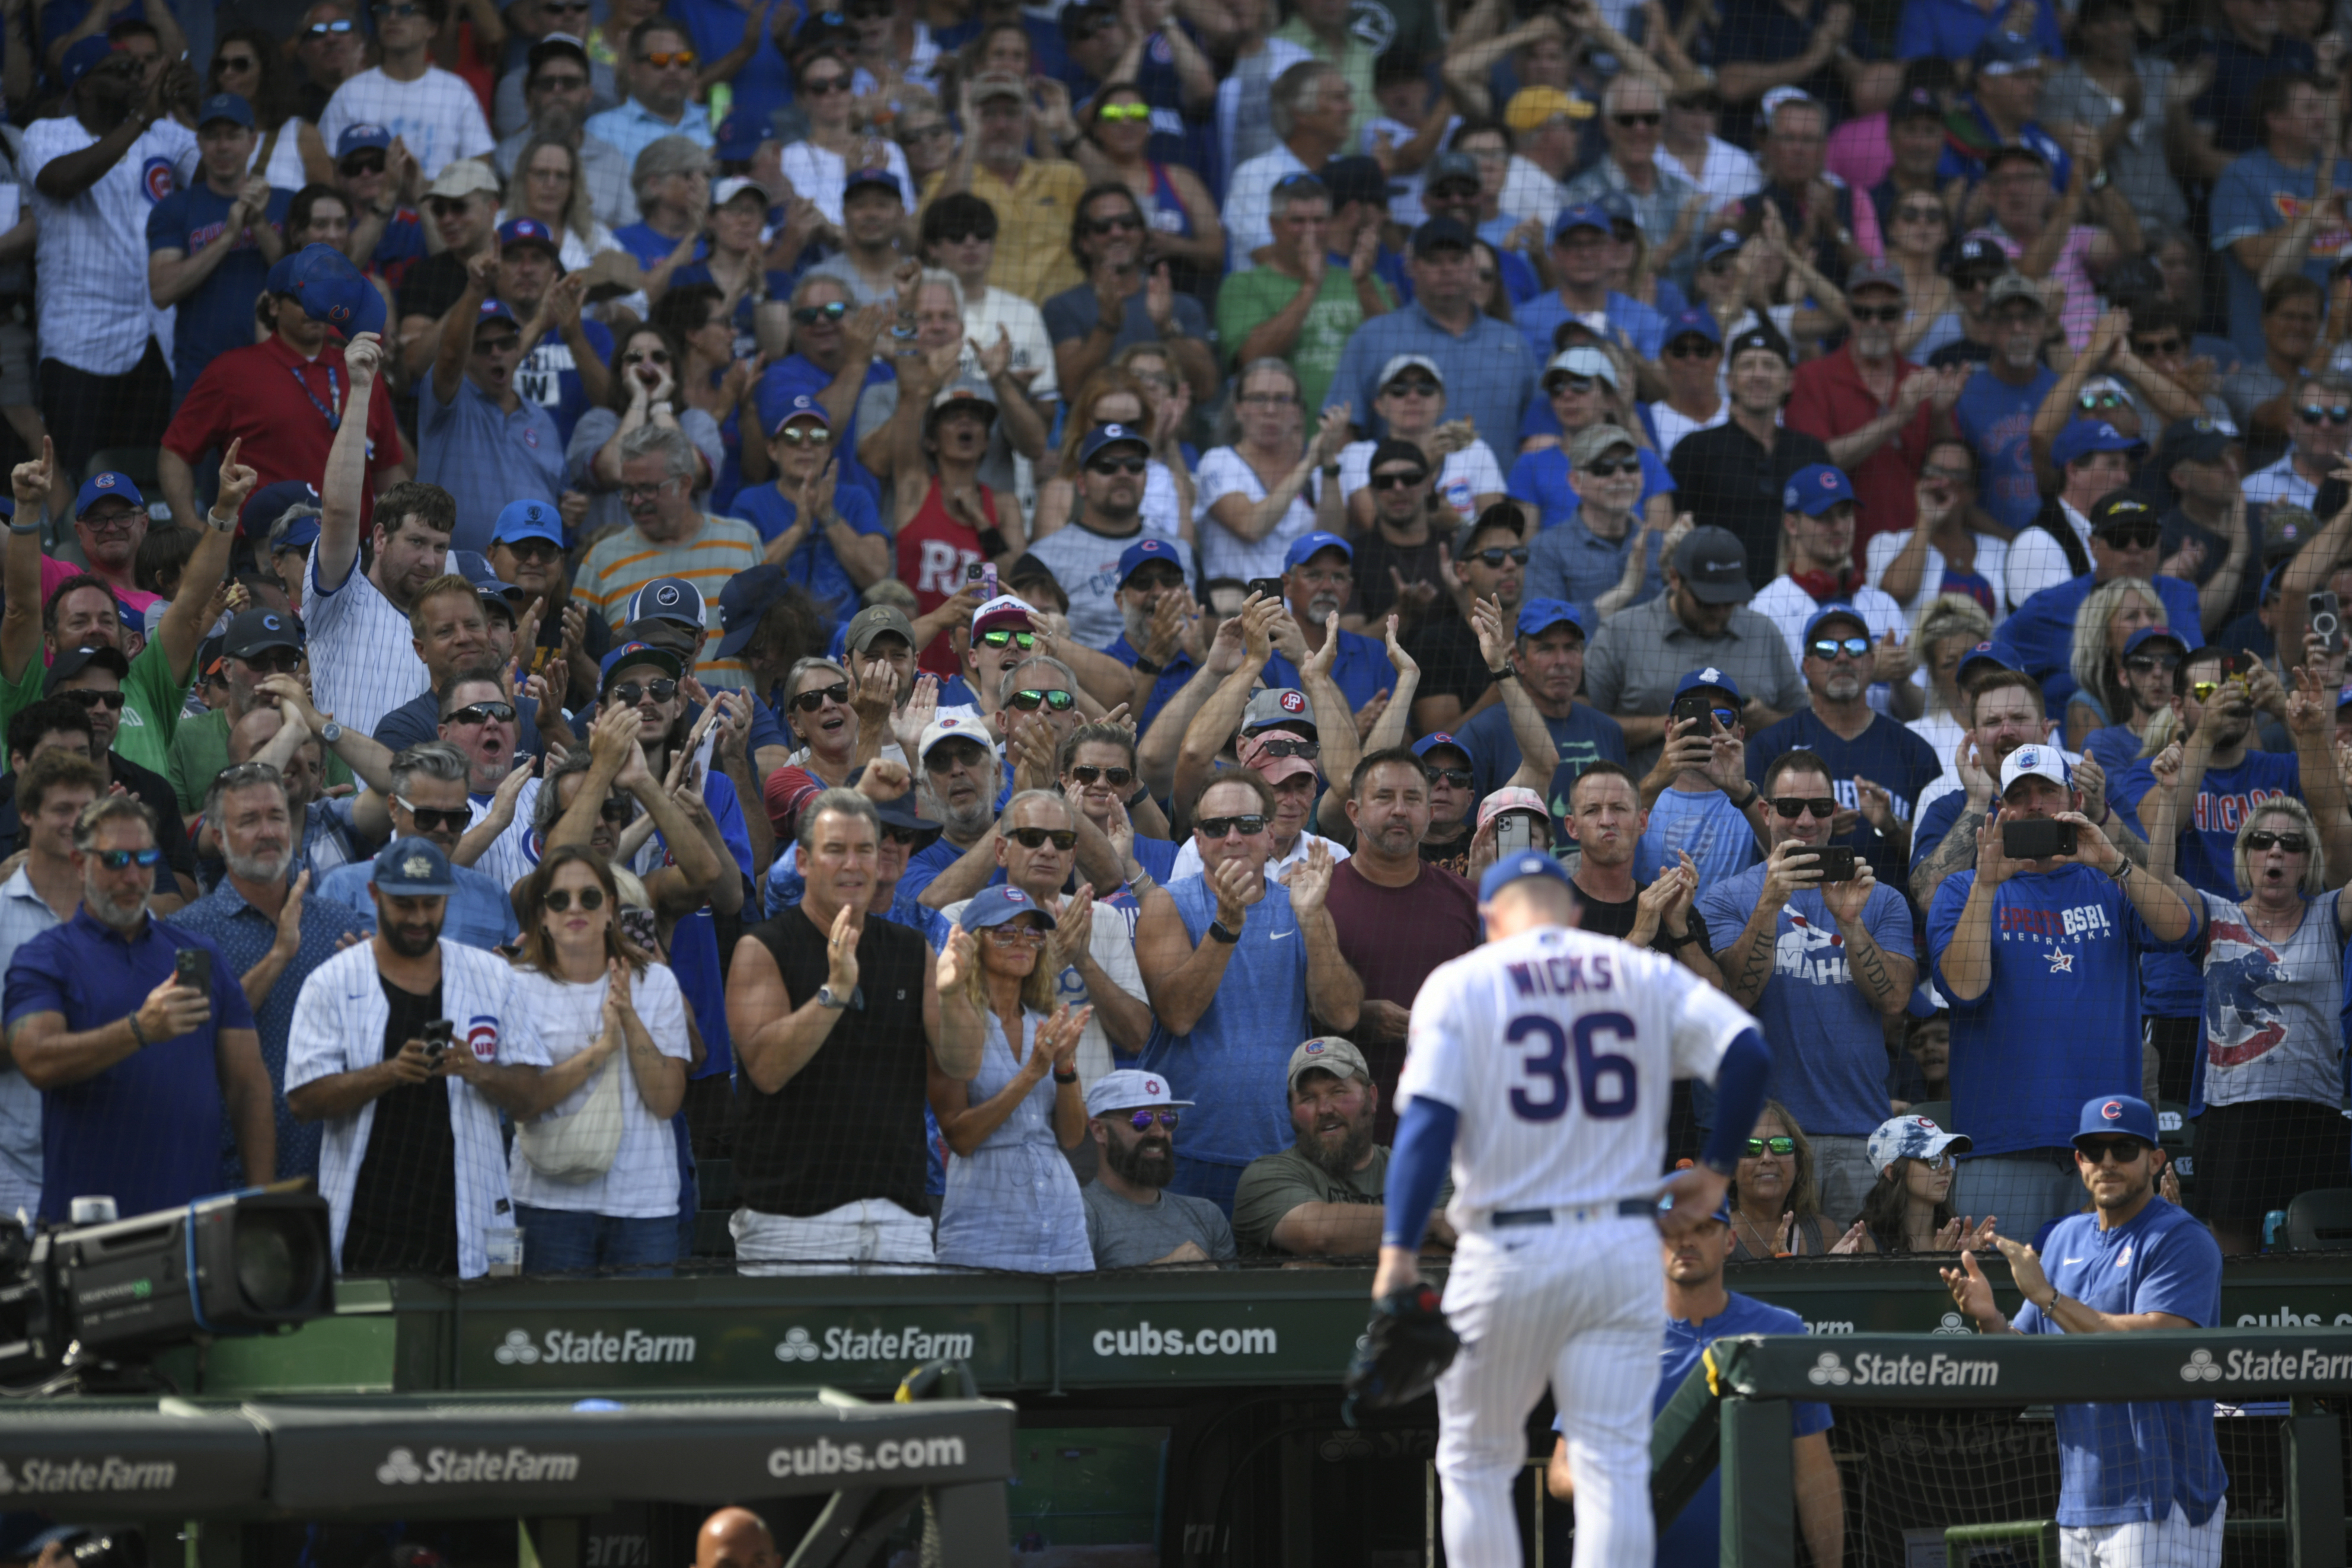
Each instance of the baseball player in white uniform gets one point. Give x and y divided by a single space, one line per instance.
1542 1065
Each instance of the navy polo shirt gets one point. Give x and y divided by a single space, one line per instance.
148 1130
1361 670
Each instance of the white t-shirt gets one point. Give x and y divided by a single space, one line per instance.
1992 561
436 117
1249 203
642 1182
1224 472
1673 425
90 281
1943 731
1032 347
2037 561
1727 175
1467 475
821 176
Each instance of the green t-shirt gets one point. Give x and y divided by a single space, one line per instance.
151 705
1273 1185
1247 300
200 750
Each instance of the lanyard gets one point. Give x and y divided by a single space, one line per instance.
332 410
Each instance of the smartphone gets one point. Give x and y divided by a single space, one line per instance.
1515 831
437 1039
988 578
2234 664
2036 838
192 968
2327 621
1695 705
1269 588
972 572
1836 861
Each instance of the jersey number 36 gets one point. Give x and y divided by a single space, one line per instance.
1606 1080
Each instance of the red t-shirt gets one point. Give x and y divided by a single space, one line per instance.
277 403
1828 400
1392 937
933 551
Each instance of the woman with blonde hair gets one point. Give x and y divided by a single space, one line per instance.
1776 1204
2114 613
1951 628
1117 395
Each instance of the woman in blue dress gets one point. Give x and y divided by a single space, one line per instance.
1012 1201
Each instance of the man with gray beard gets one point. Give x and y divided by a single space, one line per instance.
1325 1196
1089 557
1130 1222
272 935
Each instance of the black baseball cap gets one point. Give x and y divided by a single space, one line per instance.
1759 337
1713 564
1356 180
1441 233
255 629
75 661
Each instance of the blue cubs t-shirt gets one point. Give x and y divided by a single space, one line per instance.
2125 1463
1996 419
1707 827
1584 737
550 374
2060 1021
813 565
218 316
1540 479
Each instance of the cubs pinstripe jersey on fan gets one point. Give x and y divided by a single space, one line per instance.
364 660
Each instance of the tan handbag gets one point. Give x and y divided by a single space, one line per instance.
579 1147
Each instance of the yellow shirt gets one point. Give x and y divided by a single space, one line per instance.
1033 214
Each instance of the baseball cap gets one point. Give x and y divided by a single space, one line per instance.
665 599
2003 53
1693 322
2196 441
414 868
997 84
747 596
1355 180
1836 610
1714 565
1004 609
300 534
802 406
1512 868
1449 167
1512 798
899 812
1335 1056
2148 634
1619 208
737 140
66 666
359 138
1992 654
1722 243
1306 547
98 486
992 907
1537 616
2104 1116
461 178
1103 435
1711 679
528 520
2040 761
966 391
1437 737
1581 215
865 179
2118 511
1763 338
1912 1138
1980 255
637 653
1440 233
1877 275
1581 361
1916 104
2084 436
874 621
952 727
225 106
1273 769
1142 553
1400 363
529 231
251 630
2011 286
725 191
334 292
1129 1089
271 502
83 59
1533 108
1815 488
495 310
1597 439
1283 706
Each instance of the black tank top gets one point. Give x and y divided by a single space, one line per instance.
848 1126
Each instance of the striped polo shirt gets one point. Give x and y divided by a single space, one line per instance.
622 562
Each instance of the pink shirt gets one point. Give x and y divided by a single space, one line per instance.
55 571
1858 153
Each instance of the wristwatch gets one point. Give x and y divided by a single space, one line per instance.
330 733
1217 929
219 525
1752 792
825 999
1146 666
1142 793
1671 943
1061 1077
1508 672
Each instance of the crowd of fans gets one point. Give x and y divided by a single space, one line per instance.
913 598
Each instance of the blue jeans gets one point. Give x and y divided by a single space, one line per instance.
1204 1179
569 1241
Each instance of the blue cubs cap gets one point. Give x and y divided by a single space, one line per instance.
1721 1214
2343 697
1696 321
98 486
874 180
1619 208
83 59
2003 53
1582 216
1142 553
1511 868
1713 680
1834 611
747 596
2084 436
1911 1139
2147 634
359 138
665 599
740 135
637 653
1103 435
1992 654
495 310
528 520
1435 739
529 231
409 868
995 906
1537 616
1815 488
225 106
279 279
334 292
1722 243
300 534
266 505
1304 548
802 406
2104 1116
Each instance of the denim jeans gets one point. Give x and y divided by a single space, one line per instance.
569 1241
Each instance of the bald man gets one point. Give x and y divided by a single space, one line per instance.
735 1538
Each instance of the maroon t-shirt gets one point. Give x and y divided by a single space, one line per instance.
1392 937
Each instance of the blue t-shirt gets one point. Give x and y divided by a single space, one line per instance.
764 84
1996 419
1360 670
2060 1021
2255 195
2127 1463
813 565
1173 675
1631 324
1586 736
218 316
1707 827
2114 748
550 374
2040 634
1887 753
1540 479
1951 29
650 245
1829 1044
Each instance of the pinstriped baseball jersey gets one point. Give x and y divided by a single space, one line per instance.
364 660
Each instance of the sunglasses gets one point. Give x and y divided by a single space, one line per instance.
1457 777
482 713
1570 384
1791 806
530 550
1495 555
1141 1121
1756 1146
805 435
116 860
1412 386
1610 468
1003 636
628 692
2292 843
1306 749
1118 112
810 315
2162 348
1636 121
819 87
1146 581
1726 717
1006 931
2148 663
454 822
1831 647
810 701
2335 413
86 699
946 758
560 899
907 836
2130 535
368 163
2093 402
1116 777
1037 838
2123 1150
236 63
1691 349
1398 481
1110 465
444 207
1249 826
327 29
664 58
277 661
1057 701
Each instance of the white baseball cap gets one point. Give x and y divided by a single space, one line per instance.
2041 762
1129 1089
954 725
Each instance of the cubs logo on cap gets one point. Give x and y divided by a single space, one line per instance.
2112 1111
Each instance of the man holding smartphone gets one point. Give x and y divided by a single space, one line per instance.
2040 960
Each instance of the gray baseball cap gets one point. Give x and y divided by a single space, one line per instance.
1714 564
1332 1054
1283 706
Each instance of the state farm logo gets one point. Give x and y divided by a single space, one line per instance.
909 1344
1828 1369
110 1473
594 1347
518 1349
797 1346
2201 1368
445 1466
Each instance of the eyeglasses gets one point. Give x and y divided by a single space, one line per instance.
1107 467
2148 663
1831 647
1412 386
1691 349
2098 1151
1249 826
426 819
1269 399
1141 1121
1056 701
1756 1146
1457 777
810 315
236 63
1610 468
2292 843
117 860
1398 481
1791 806
560 899
627 693
1306 749
1562 383
1005 636
1116 777
483 713
2130 535
661 59
1636 121
327 29
819 87
1495 555
1008 932
810 701
276 662
1118 112
1112 225
2335 413
1884 315
2096 402
641 492
566 83
93 699
1037 838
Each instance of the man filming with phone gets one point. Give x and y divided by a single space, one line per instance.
2037 949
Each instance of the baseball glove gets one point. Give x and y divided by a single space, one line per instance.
1406 1347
